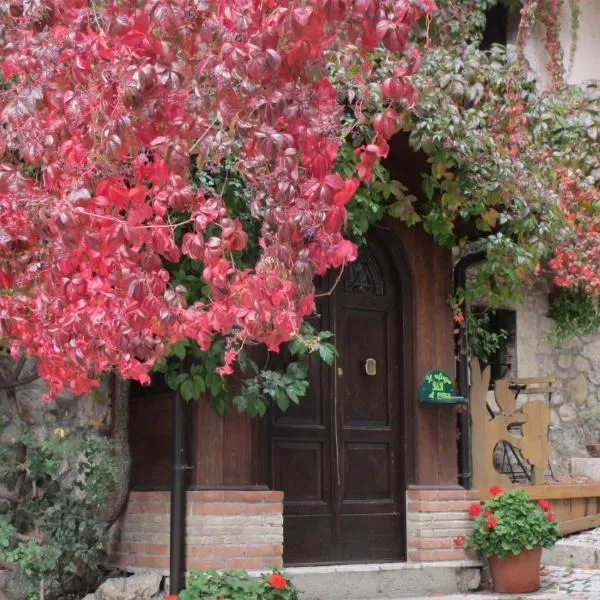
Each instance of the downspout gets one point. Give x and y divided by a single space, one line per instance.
177 535
462 373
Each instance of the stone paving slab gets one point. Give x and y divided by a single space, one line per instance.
558 583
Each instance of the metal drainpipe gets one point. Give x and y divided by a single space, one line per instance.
462 374
177 534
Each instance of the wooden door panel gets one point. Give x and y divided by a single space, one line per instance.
376 537
310 491
367 473
365 397
309 539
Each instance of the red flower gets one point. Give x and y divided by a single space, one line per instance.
277 581
171 597
459 541
487 512
550 516
495 490
545 505
475 509
491 522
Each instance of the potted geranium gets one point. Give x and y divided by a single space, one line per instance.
510 531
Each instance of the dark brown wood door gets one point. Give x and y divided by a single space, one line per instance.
338 455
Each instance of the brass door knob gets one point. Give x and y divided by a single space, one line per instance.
371 367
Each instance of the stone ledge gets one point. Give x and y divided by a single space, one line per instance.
385 580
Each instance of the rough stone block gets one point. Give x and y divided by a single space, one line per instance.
586 467
140 585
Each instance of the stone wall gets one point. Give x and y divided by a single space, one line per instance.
576 362
66 413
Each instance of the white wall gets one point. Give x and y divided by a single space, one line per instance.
586 64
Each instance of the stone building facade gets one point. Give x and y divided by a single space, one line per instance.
576 364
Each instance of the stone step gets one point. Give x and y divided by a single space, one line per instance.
572 554
386 580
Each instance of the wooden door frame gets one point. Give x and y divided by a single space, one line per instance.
385 236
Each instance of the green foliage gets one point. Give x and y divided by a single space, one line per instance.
460 21
259 389
235 585
374 199
200 377
54 533
520 525
309 341
267 387
592 424
286 386
483 342
575 313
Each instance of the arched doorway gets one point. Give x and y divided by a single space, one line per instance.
340 456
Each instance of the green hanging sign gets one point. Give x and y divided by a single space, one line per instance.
437 387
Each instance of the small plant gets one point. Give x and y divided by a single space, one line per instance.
593 426
238 585
484 343
510 523
575 313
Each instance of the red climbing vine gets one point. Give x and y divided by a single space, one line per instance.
102 104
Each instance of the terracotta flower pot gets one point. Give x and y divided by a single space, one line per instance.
593 449
517 574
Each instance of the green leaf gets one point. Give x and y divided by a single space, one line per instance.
187 390
198 385
327 353
180 349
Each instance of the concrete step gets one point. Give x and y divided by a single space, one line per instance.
573 554
386 580
487 596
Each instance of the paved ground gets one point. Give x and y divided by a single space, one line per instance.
558 583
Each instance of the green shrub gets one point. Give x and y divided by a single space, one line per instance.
238 585
575 313
52 531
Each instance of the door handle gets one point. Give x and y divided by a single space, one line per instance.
371 367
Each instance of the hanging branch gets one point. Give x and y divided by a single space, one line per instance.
14 381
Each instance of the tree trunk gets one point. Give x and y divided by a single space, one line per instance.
120 435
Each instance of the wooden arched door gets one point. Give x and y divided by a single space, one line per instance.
339 455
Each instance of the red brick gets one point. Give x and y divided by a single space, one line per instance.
236 563
442 494
423 495
466 495
431 543
436 555
233 551
235 496
151 496
440 506
235 508
132 560
253 496
205 496
142 548
143 507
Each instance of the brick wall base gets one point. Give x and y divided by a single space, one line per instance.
225 530
435 517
